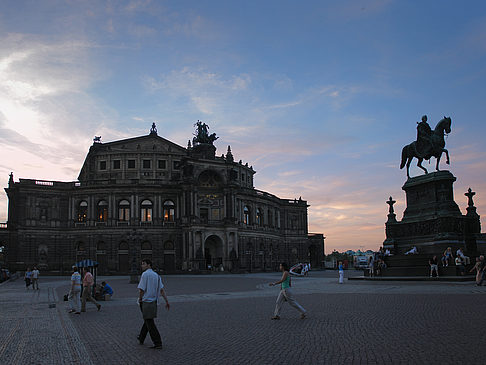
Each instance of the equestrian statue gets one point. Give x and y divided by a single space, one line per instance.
429 143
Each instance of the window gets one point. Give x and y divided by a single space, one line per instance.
270 218
102 165
246 215
147 164
215 216
131 164
203 214
168 245
146 211
259 217
176 165
169 211
102 214
242 177
124 211
83 211
116 165
162 164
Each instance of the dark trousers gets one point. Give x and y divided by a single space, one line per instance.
149 327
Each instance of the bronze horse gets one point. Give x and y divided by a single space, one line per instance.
436 149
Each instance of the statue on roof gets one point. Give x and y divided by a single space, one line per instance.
97 139
202 135
153 130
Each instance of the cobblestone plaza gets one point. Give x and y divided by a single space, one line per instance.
225 319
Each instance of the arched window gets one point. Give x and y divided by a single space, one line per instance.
102 215
80 247
246 215
168 245
270 218
169 211
146 250
83 211
146 211
124 211
123 246
259 217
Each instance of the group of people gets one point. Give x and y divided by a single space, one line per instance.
447 259
376 262
81 291
32 277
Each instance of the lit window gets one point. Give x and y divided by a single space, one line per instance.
169 211
83 211
146 211
102 214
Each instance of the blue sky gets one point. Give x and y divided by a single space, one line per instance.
319 96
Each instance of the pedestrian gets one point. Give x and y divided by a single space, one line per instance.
149 288
74 293
27 277
87 288
341 272
434 266
35 279
482 270
371 265
286 293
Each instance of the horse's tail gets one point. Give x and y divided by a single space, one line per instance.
404 157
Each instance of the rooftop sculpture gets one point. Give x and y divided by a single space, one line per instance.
202 135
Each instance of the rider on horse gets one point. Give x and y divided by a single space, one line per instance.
424 139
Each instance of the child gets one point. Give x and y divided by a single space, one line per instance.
341 272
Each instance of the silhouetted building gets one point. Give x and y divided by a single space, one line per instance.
147 197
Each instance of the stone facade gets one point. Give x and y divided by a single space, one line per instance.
185 208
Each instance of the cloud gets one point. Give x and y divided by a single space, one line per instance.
45 110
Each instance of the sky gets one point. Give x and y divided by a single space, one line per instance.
318 96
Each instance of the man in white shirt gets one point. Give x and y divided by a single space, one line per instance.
149 287
35 279
74 300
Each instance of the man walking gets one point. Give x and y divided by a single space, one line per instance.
35 278
149 287
86 296
73 298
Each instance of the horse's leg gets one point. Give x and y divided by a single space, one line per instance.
419 164
409 161
448 161
438 161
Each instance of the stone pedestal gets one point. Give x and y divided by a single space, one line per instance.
430 196
432 220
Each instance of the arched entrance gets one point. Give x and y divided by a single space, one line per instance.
213 251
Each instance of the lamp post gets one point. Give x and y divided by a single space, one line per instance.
133 237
